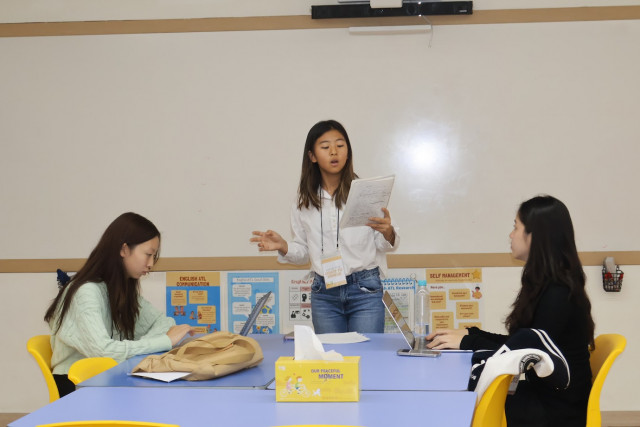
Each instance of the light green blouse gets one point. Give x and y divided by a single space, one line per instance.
87 330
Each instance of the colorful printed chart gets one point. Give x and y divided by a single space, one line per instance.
456 297
194 298
296 288
244 290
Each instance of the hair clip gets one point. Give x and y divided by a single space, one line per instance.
63 279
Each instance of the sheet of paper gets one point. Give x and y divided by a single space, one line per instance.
343 338
366 199
162 376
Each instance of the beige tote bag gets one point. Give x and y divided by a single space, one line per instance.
211 356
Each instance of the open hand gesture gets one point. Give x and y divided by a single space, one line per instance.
270 241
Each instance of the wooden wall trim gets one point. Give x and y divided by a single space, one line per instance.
299 22
270 262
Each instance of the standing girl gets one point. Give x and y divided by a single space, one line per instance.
552 298
100 312
327 172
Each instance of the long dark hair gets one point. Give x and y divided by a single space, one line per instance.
553 258
311 178
105 264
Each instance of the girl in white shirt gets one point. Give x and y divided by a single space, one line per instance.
357 252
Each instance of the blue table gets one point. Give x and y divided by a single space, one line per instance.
258 377
189 407
380 368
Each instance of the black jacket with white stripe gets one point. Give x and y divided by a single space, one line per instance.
564 322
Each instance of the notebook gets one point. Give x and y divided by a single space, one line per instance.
416 347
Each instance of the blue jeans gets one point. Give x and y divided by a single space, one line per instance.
354 307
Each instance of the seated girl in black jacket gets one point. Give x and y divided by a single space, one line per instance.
552 298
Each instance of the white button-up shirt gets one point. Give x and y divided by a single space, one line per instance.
362 248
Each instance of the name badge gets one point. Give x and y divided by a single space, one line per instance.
333 271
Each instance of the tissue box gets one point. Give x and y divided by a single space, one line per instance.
318 380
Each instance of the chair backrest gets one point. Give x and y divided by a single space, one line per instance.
40 348
608 348
107 423
86 368
490 410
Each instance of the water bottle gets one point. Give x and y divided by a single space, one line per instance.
422 314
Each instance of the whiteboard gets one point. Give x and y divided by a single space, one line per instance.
203 132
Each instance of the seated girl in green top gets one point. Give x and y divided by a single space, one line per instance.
100 312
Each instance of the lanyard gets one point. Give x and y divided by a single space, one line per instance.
322 231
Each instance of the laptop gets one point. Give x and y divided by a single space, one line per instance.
248 325
416 347
253 316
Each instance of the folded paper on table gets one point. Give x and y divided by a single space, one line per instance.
167 377
336 338
342 338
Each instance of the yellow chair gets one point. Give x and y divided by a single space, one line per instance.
84 369
608 348
490 410
40 348
115 423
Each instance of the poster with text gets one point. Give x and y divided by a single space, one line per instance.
243 291
401 285
194 298
296 299
456 297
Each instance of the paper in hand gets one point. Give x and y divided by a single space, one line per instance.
366 199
